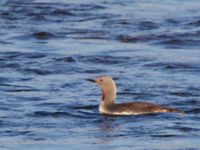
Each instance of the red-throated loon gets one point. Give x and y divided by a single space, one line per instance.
108 106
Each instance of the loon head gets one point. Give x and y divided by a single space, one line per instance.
108 88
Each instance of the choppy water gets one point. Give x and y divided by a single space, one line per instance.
49 48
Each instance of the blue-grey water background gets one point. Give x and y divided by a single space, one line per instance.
49 48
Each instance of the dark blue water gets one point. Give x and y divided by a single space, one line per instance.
49 48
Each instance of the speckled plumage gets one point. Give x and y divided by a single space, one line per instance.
137 108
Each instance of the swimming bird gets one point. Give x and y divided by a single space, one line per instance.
108 106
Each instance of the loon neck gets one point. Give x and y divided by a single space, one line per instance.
108 97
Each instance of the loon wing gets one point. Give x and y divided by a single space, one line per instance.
141 108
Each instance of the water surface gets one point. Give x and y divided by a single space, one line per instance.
48 49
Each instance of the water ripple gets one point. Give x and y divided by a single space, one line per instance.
49 49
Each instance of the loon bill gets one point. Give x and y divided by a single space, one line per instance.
108 106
